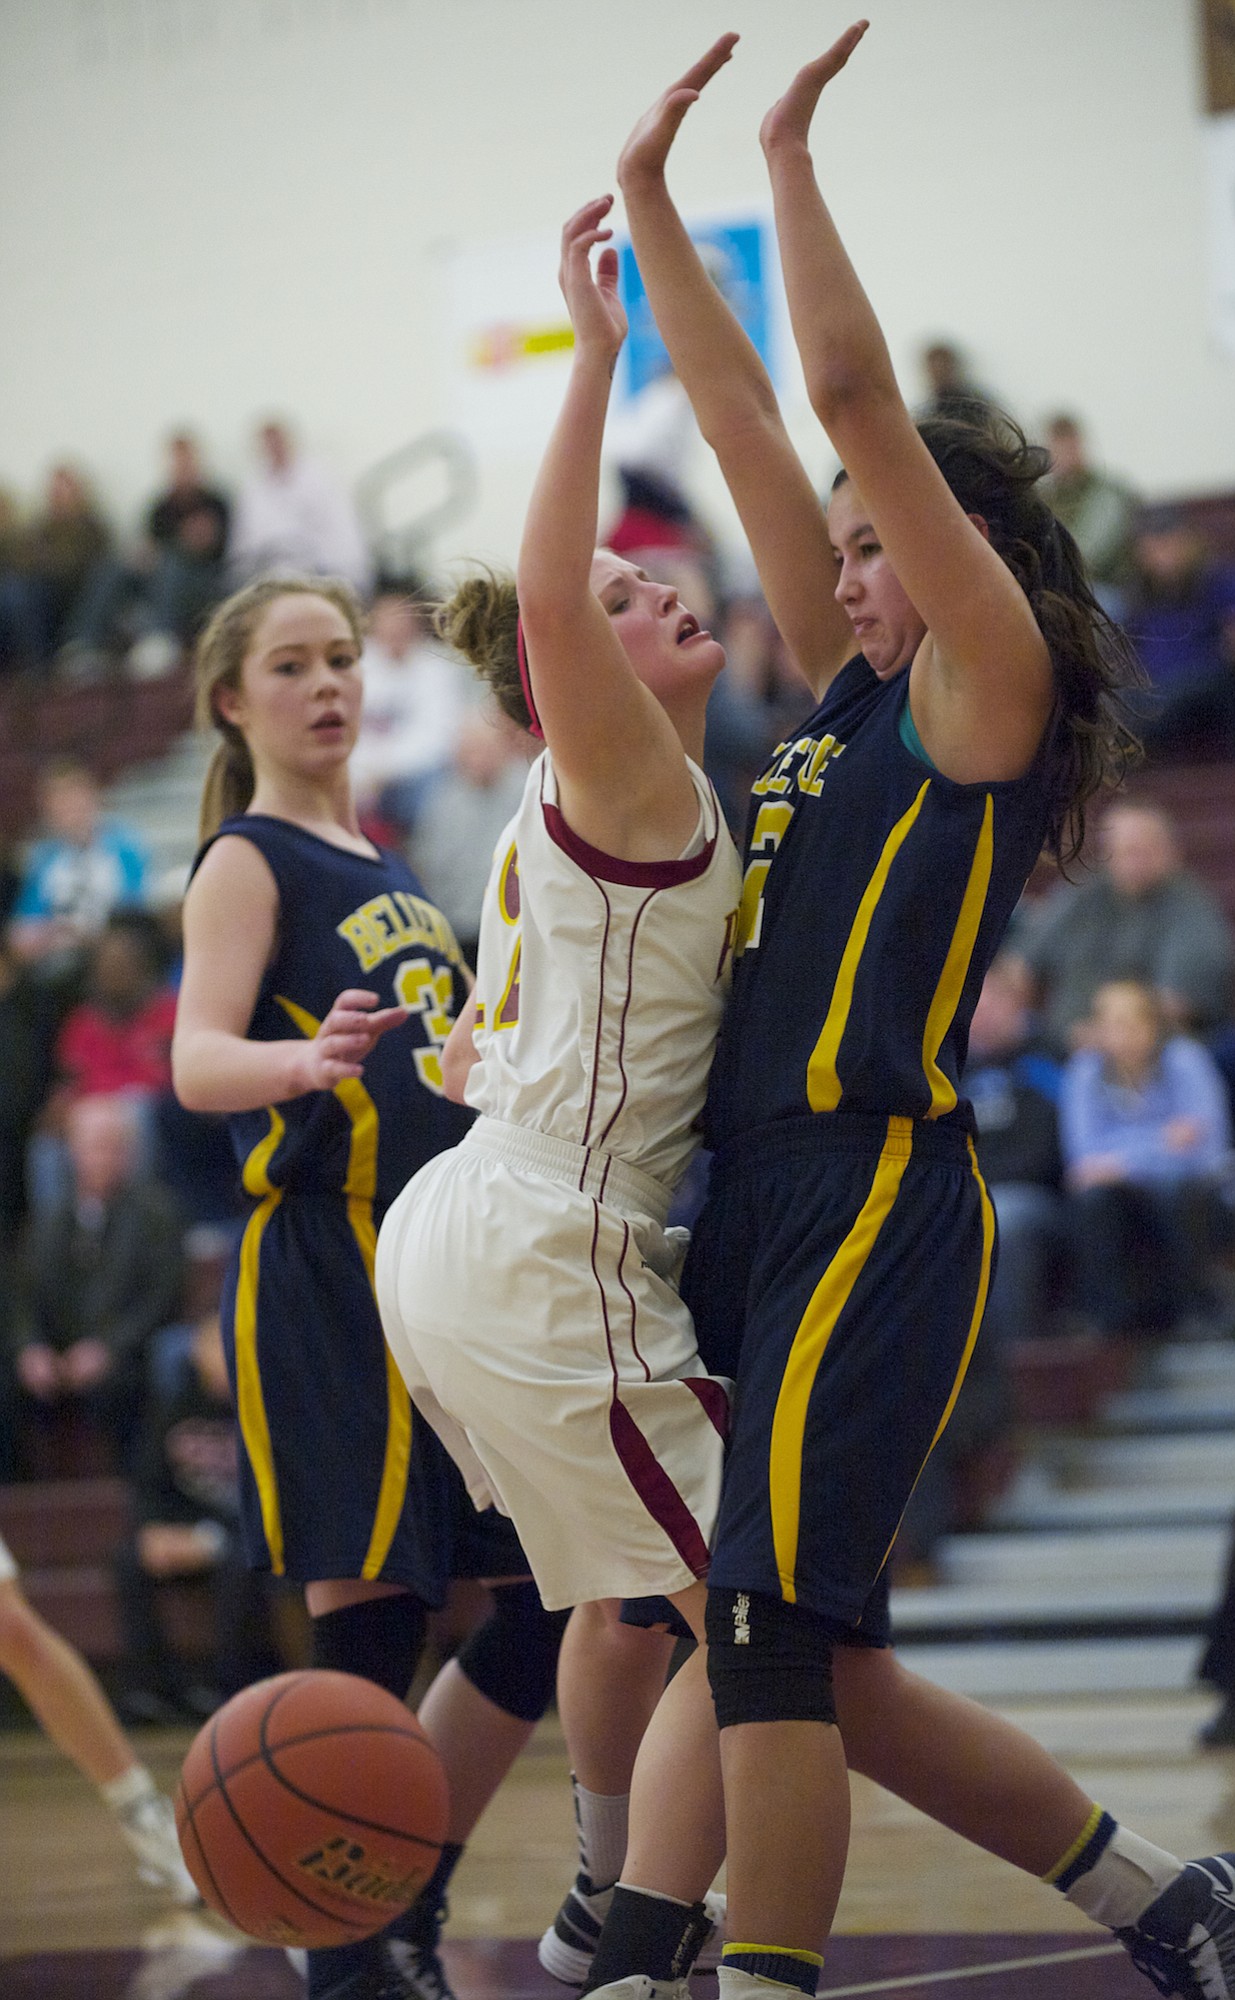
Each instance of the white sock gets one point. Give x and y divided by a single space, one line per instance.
601 1822
1127 1877
128 1789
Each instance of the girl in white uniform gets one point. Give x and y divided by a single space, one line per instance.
526 1277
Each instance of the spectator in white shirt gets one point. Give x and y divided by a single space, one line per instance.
293 513
415 699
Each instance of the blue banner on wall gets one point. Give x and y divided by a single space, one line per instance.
737 256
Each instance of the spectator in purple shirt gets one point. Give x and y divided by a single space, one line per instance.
1145 1128
1181 618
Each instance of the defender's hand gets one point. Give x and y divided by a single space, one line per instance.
788 122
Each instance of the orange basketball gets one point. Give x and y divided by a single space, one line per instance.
311 1809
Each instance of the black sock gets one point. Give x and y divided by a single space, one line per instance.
655 1935
422 1922
327 1970
379 1639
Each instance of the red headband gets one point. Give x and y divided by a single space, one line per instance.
525 681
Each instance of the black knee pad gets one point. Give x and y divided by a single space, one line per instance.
380 1639
768 1661
512 1657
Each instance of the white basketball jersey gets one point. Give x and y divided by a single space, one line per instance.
600 983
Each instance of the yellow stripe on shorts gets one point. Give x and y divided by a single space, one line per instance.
360 1192
810 1342
975 1323
250 1402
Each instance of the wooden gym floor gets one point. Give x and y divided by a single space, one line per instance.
923 1915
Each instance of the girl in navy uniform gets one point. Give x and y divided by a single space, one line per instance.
969 706
319 987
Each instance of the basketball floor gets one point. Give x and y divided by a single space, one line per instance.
923 1915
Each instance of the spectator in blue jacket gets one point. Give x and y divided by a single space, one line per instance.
1145 1128
82 869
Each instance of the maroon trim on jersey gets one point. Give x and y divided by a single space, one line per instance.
656 1490
630 988
711 1394
525 678
634 1310
600 1015
610 868
639 1462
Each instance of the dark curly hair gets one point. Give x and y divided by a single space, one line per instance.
994 471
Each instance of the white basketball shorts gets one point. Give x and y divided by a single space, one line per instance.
524 1287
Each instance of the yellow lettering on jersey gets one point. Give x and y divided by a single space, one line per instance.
811 755
779 778
812 773
508 1006
428 990
771 823
761 784
508 887
390 923
363 938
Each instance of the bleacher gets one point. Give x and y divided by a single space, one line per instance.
111 725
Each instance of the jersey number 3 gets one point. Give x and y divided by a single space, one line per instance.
428 990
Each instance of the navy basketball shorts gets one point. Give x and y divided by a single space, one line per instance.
839 1273
338 1476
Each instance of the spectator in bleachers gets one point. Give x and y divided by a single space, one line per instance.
1013 1085
757 699
115 1040
1217 1663
81 869
1146 1137
415 698
293 513
951 390
118 1037
21 633
58 550
454 837
1099 513
1181 618
1140 915
153 598
187 1507
27 1030
102 1271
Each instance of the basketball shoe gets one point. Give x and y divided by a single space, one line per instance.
1185 1941
149 1827
568 1946
414 1970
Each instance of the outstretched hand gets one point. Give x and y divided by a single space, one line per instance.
645 152
596 311
349 1033
788 122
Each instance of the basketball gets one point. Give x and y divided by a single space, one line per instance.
311 1809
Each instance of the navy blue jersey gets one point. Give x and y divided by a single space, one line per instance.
363 921
875 896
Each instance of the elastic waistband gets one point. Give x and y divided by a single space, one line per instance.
830 1132
583 1168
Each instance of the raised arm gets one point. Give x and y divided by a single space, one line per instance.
230 918
731 394
619 763
982 687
